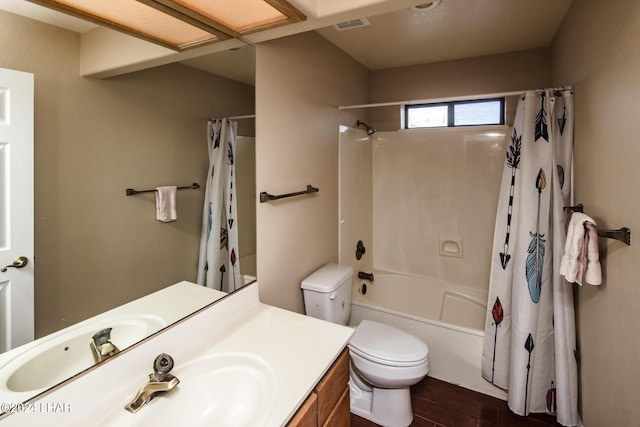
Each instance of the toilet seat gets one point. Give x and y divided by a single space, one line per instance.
387 345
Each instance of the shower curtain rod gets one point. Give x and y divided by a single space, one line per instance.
448 99
248 116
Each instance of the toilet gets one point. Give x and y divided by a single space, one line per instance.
385 361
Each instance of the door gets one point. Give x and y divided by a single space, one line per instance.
16 209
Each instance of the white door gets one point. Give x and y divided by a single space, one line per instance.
16 208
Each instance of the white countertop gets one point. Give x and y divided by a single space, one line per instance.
300 349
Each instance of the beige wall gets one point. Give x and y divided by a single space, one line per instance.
245 174
597 50
300 80
95 248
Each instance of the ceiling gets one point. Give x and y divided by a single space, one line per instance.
455 29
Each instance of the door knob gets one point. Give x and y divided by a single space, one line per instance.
19 262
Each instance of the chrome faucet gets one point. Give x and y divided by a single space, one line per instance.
102 346
160 381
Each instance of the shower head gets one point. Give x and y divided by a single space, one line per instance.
370 130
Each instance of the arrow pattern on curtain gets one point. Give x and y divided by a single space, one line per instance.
498 315
224 238
551 398
535 259
542 130
513 162
216 143
562 120
528 345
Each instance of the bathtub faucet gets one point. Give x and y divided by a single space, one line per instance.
365 276
102 346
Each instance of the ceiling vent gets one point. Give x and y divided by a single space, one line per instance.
354 23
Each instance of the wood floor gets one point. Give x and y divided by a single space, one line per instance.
440 404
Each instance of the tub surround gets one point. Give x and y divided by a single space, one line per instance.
300 350
453 304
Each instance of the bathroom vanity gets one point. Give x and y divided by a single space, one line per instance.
328 404
239 362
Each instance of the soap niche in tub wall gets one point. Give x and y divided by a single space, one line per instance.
450 247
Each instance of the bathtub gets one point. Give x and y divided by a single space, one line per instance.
449 318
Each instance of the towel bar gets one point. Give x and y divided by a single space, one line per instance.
265 197
131 191
622 234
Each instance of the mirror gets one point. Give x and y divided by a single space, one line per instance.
96 248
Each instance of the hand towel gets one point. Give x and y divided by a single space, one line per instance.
593 274
166 204
564 263
580 265
575 260
576 244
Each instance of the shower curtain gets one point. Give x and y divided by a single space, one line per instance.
218 263
530 341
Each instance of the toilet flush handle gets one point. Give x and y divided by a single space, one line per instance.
333 295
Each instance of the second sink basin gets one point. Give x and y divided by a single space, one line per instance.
222 390
66 354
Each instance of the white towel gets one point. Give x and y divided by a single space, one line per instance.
572 250
564 263
593 274
166 204
580 260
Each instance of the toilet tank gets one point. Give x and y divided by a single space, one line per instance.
327 293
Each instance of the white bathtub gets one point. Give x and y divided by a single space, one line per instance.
449 318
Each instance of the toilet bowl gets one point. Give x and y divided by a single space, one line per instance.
385 361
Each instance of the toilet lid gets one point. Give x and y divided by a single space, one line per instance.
386 343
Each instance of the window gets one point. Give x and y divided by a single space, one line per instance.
455 113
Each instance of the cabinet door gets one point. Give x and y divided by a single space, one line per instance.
307 414
340 416
331 387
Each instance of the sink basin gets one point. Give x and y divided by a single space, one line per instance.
63 355
225 390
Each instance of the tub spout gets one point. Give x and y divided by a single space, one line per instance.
365 276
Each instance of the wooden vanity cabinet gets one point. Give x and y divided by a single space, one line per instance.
328 403
307 414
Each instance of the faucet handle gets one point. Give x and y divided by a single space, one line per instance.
162 365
